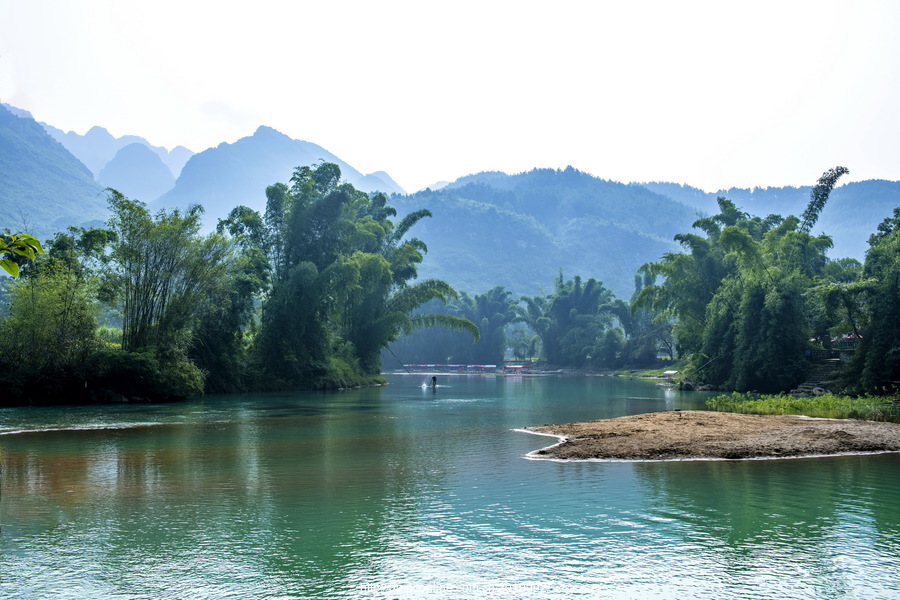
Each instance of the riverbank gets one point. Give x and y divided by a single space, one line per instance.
682 435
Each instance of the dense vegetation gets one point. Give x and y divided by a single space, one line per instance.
580 324
754 297
750 304
321 287
517 231
305 295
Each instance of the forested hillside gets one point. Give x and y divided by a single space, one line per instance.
519 231
43 188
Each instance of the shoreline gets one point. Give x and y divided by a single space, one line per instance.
708 435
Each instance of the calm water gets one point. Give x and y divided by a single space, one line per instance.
400 492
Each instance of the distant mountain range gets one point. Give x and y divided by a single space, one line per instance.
853 212
98 147
236 174
521 230
219 178
488 229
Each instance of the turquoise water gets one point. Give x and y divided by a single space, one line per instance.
403 492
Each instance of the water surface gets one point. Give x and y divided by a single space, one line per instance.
405 492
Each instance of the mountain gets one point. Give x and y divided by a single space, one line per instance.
175 158
853 212
98 146
519 231
488 228
43 188
230 175
137 172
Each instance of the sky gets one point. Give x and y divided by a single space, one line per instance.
711 94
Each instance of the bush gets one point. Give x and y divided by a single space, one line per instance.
146 376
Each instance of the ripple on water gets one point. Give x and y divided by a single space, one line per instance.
424 498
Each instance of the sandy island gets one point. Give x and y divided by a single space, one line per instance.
693 434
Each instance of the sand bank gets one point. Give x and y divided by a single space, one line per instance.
709 435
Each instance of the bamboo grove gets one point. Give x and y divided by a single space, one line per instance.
303 296
753 299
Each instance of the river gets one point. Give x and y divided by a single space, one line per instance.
412 493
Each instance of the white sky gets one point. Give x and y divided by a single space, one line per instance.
714 94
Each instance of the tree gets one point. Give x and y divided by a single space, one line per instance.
739 295
571 322
646 331
162 269
50 331
875 367
48 340
819 196
340 289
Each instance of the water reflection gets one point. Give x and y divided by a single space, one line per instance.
803 519
392 493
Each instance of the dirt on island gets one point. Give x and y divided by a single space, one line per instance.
695 434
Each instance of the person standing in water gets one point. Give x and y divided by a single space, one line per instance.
434 381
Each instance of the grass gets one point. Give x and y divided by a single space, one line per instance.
831 406
657 372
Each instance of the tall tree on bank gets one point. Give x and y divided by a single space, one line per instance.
341 286
738 295
162 269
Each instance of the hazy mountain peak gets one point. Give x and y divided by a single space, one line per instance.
387 183
238 173
19 112
138 172
265 130
99 133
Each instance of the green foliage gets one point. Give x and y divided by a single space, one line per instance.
876 363
17 245
161 270
445 331
228 320
147 375
52 349
341 272
819 196
51 325
740 295
573 323
829 406
647 332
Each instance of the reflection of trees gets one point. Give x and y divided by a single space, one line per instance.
778 507
290 493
